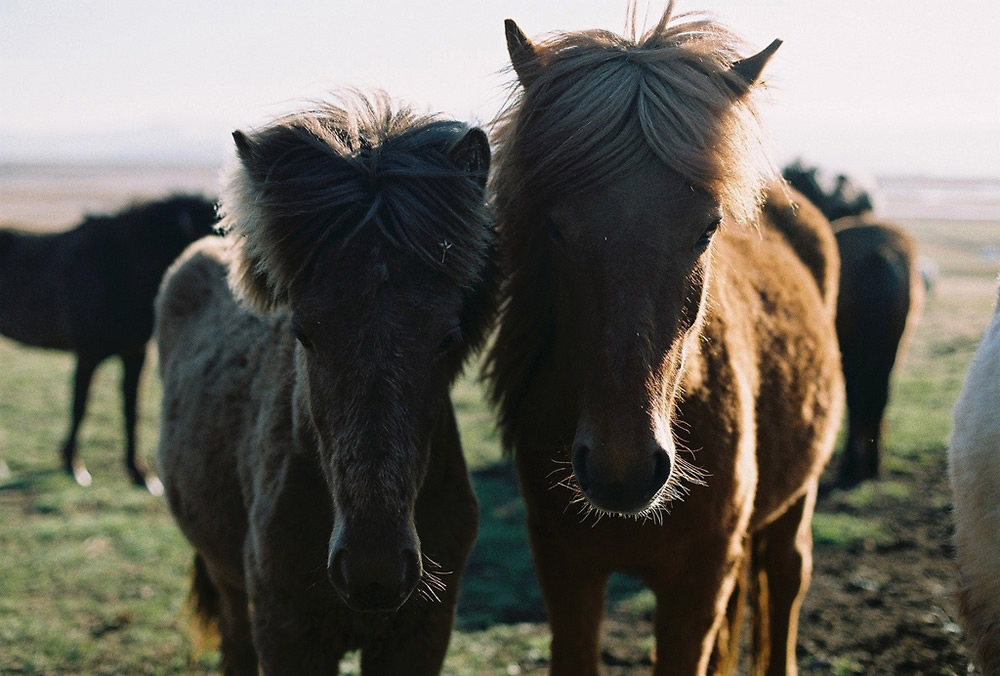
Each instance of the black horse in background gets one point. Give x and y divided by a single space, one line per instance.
90 290
881 295
845 198
880 299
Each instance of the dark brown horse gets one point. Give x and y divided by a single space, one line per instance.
90 290
308 443
881 293
657 334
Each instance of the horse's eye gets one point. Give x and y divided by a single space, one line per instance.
451 340
302 338
706 237
554 232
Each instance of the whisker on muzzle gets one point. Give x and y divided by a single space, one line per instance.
684 475
431 585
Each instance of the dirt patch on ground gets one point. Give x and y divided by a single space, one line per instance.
886 605
877 605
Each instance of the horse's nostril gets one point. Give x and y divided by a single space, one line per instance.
661 469
581 454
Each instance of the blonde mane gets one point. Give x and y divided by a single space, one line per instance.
601 104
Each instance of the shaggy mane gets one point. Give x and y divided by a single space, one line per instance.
602 104
317 177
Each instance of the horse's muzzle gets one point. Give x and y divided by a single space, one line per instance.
374 581
629 489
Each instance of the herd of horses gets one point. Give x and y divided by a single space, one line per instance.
668 359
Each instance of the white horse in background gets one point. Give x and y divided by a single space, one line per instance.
974 468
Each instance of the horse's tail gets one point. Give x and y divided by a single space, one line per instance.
808 232
203 607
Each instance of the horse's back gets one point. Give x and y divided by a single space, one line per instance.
206 346
808 233
193 285
974 455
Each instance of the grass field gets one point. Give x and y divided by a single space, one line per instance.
93 580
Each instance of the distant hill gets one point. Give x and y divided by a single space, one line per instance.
149 145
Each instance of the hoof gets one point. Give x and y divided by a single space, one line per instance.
75 467
81 475
153 485
142 480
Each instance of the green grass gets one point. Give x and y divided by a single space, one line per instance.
94 580
844 530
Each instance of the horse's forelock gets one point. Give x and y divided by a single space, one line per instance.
316 177
603 104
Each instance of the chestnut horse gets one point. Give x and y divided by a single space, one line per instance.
90 290
309 448
881 294
658 333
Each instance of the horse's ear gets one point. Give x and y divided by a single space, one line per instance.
523 56
472 154
251 154
243 148
747 71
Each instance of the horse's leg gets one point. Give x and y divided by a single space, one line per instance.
880 399
693 606
867 397
297 621
725 658
419 650
239 657
849 473
781 570
574 600
132 363
218 604
446 516
86 364
289 630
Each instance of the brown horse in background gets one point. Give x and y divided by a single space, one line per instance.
881 294
658 333
308 444
90 290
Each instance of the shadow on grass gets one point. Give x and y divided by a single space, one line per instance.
34 480
499 584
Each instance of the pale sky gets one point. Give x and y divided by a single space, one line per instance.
870 87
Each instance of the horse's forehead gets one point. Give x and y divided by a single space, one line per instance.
652 193
370 280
